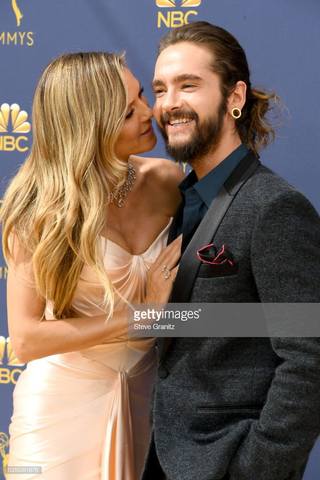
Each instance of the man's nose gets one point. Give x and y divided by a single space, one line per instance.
170 101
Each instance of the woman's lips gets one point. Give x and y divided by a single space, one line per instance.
148 131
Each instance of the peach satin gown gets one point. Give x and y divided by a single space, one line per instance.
84 415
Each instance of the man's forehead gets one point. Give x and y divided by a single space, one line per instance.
183 58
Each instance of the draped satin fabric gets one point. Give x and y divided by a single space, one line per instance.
85 415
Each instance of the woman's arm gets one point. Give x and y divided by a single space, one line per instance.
33 336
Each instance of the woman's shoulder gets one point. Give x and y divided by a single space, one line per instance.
161 178
159 170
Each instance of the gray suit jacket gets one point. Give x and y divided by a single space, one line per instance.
244 408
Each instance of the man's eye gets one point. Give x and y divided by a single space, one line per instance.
158 91
129 114
188 85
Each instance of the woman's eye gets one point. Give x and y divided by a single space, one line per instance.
129 114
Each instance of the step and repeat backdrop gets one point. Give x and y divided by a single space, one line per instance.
281 39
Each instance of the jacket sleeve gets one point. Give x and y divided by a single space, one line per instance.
285 256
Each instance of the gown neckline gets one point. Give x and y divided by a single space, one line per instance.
108 240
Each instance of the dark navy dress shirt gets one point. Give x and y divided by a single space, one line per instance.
197 195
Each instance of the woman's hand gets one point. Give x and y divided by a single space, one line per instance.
162 274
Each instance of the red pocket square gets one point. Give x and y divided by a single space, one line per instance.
210 254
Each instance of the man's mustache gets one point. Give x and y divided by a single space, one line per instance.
166 118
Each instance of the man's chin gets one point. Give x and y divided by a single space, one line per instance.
179 142
176 145
178 152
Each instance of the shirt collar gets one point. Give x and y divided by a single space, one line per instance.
208 187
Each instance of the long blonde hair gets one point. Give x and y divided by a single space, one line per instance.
56 204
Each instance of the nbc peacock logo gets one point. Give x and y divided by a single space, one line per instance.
176 18
4 446
10 365
14 126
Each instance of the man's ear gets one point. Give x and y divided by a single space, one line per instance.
237 98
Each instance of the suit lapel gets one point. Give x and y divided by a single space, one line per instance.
173 228
189 263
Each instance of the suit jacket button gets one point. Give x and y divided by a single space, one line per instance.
162 371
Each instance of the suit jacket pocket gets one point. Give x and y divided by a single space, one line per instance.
246 410
209 421
208 270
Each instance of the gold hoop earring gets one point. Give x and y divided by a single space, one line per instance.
236 113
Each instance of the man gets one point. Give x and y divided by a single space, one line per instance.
232 408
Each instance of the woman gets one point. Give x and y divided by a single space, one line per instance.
85 224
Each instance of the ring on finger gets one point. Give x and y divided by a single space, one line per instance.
166 272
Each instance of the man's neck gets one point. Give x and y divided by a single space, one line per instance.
216 155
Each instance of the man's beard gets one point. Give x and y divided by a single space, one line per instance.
205 136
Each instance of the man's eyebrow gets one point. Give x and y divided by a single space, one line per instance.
157 83
179 78
187 76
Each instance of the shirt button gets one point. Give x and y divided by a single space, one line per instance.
162 372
